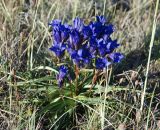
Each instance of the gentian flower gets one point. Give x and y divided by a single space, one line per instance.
87 32
111 45
109 29
75 39
85 43
63 72
93 45
57 34
116 57
97 29
102 47
58 49
81 57
85 55
75 57
101 63
101 19
65 32
78 24
106 46
60 32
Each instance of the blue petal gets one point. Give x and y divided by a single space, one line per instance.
78 24
87 32
109 29
57 35
63 72
93 45
101 19
116 57
101 63
75 38
111 45
64 33
97 29
58 49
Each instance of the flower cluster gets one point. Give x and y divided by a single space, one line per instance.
87 44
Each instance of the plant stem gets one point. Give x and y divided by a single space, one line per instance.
77 75
149 57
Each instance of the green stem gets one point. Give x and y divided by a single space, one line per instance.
77 76
149 56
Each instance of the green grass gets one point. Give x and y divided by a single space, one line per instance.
125 96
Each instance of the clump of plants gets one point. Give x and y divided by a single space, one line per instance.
87 46
82 50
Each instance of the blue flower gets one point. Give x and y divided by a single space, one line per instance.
102 47
101 63
75 39
57 34
97 29
63 73
111 45
87 32
109 29
78 24
85 43
65 30
106 46
85 55
81 57
101 19
58 49
60 32
93 45
75 58
116 57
